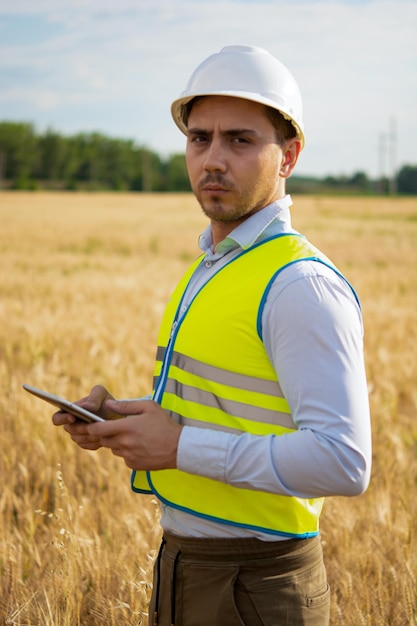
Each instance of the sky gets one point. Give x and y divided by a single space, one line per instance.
115 66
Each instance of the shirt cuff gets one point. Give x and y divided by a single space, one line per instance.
203 452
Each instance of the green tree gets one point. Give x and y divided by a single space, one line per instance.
52 157
149 171
177 175
19 152
407 179
359 181
117 166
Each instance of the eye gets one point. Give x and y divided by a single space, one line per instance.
197 138
240 140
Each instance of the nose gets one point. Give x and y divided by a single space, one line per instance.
215 157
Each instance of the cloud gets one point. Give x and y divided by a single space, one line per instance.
115 67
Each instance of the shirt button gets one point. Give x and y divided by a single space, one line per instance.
209 263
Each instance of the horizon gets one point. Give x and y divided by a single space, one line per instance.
95 67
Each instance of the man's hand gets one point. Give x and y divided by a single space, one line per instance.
96 402
147 439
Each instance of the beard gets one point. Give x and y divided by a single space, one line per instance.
216 210
222 208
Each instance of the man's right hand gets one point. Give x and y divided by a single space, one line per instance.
96 403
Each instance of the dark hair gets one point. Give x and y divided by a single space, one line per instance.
284 129
186 108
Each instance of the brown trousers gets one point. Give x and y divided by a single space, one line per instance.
239 582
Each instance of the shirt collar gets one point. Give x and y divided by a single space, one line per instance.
250 231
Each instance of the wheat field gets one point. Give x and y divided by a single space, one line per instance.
83 282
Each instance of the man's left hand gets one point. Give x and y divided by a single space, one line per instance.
147 439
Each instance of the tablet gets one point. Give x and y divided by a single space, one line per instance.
65 405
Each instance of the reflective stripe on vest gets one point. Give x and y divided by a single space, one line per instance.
212 371
218 392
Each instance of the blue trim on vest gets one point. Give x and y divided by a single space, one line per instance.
158 393
269 285
147 492
162 378
213 518
165 366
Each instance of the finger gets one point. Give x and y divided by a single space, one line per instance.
60 418
129 407
77 428
95 399
80 435
108 429
88 445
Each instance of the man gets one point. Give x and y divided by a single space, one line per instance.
260 405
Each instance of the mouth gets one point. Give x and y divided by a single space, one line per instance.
213 189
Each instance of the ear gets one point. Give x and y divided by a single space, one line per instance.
290 151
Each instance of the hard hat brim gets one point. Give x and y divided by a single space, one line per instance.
179 107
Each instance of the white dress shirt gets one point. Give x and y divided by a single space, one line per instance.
312 331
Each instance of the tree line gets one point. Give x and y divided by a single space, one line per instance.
30 160
49 160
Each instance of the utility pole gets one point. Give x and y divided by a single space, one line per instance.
382 143
392 156
387 159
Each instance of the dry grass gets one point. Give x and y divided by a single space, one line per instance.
84 279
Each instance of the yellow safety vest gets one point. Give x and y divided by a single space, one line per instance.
212 371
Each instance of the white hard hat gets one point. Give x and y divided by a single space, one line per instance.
244 72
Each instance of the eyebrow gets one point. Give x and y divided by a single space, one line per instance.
231 132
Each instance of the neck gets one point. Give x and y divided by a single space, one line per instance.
220 230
